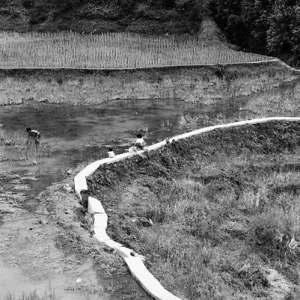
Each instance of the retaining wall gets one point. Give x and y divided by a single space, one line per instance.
133 260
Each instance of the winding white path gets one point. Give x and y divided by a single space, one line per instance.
133 260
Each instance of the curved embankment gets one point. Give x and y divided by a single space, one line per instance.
133 260
207 84
154 67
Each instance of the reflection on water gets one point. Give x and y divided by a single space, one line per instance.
78 134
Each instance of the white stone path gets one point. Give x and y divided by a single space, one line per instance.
133 260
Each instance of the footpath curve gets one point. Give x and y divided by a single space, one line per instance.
133 260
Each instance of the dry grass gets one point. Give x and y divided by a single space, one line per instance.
47 295
214 244
96 89
282 101
111 51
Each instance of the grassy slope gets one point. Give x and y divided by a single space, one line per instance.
225 209
205 85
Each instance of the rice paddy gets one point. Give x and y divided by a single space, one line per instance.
14 147
112 51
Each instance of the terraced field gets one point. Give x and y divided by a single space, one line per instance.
112 51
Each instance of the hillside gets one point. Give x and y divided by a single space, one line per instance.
101 16
264 26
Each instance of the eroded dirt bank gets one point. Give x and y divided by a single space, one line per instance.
205 85
35 258
76 239
218 208
51 252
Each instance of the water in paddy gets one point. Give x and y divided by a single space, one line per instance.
80 134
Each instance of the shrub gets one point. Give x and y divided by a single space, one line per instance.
127 6
38 15
27 4
59 80
272 233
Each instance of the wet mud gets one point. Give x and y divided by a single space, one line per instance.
31 260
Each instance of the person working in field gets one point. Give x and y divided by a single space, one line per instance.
111 152
140 143
33 136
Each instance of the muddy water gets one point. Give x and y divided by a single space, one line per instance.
30 262
76 134
13 274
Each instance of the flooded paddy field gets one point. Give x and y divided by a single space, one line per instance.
71 135
74 135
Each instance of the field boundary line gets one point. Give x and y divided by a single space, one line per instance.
151 67
133 260
287 66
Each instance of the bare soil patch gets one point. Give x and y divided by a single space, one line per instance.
51 250
31 260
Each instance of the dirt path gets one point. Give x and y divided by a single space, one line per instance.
32 256
30 260
50 250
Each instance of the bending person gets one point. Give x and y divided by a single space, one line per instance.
33 135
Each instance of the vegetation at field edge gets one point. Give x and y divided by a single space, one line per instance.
15 147
47 295
204 85
224 208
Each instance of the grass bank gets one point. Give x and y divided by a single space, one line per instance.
203 85
48 295
215 215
